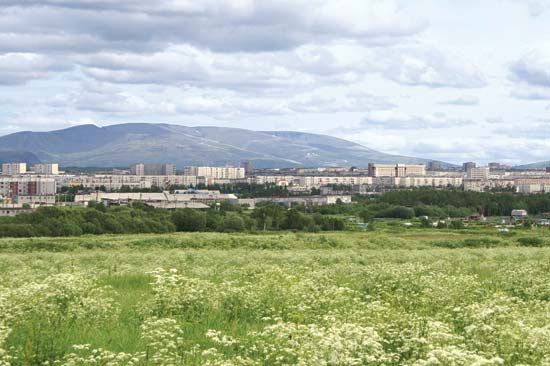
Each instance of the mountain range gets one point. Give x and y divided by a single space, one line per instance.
540 165
125 144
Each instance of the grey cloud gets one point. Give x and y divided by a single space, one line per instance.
533 68
525 91
187 65
249 26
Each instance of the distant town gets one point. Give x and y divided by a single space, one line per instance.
25 188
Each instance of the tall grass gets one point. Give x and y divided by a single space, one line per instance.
277 299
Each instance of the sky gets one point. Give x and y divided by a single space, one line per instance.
440 79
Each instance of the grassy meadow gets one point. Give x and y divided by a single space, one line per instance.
393 296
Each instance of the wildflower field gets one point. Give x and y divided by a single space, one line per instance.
417 297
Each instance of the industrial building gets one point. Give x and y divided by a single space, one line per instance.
304 200
180 199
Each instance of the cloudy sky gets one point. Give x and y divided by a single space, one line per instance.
441 79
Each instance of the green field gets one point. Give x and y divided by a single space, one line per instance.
388 297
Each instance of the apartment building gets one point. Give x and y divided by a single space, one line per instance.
153 169
110 182
280 180
45 169
468 165
532 185
14 168
116 182
319 181
429 181
215 172
174 180
418 181
32 190
481 173
396 170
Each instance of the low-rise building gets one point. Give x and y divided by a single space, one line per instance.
303 200
181 199
518 214
11 211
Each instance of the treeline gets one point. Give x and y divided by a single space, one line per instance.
438 203
486 203
140 218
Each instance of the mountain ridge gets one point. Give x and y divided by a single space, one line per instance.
538 165
129 143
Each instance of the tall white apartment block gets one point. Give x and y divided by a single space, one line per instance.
45 169
216 172
14 168
481 173
396 170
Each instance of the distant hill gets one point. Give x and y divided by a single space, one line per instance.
540 165
10 156
126 144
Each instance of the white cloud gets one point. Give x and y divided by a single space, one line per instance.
430 67
18 68
462 101
395 120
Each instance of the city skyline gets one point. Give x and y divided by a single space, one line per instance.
439 80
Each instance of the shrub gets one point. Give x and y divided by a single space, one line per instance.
232 222
457 224
399 212
189 220
530 242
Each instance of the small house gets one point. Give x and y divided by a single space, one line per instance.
475 217
518 214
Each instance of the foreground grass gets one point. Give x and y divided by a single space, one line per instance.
399 297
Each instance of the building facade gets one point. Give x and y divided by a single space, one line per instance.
45 169
396 170
216 172
481 173
467 166
153 169
28 189
14 168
